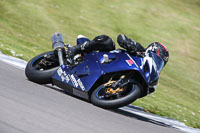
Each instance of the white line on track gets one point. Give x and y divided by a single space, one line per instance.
21 64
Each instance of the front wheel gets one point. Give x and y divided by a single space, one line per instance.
41 68
106 97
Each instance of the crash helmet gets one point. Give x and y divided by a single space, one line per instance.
160 49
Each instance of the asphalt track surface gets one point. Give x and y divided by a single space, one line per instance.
26 107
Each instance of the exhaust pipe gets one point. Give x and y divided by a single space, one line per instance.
58 45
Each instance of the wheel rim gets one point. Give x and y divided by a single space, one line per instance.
42 63
108 93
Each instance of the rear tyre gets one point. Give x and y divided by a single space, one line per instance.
41 68
101 98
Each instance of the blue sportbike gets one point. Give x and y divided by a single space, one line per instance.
107 79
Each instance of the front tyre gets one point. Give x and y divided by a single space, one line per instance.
41 68
108 98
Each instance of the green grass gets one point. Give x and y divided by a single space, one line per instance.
27 25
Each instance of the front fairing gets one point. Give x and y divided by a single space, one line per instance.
84 75
152 64
149 66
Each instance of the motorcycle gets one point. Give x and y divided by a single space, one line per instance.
106 79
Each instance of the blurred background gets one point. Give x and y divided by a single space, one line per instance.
27 25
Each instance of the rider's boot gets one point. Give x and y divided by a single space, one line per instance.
72 51
130 45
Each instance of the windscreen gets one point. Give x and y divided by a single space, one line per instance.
159 61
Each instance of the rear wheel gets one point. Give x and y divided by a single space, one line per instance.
41 68
107 97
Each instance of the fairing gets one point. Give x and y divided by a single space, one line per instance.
84 75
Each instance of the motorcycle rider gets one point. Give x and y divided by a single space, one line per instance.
104 43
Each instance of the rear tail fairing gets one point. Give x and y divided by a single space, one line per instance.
81 39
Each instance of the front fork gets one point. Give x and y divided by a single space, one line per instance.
124 80
58 46
60 56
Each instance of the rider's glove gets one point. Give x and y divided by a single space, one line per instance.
127 43
132 46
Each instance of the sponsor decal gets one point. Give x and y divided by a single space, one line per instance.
129 62
81 85
75 83
62 74
66 77
60 71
